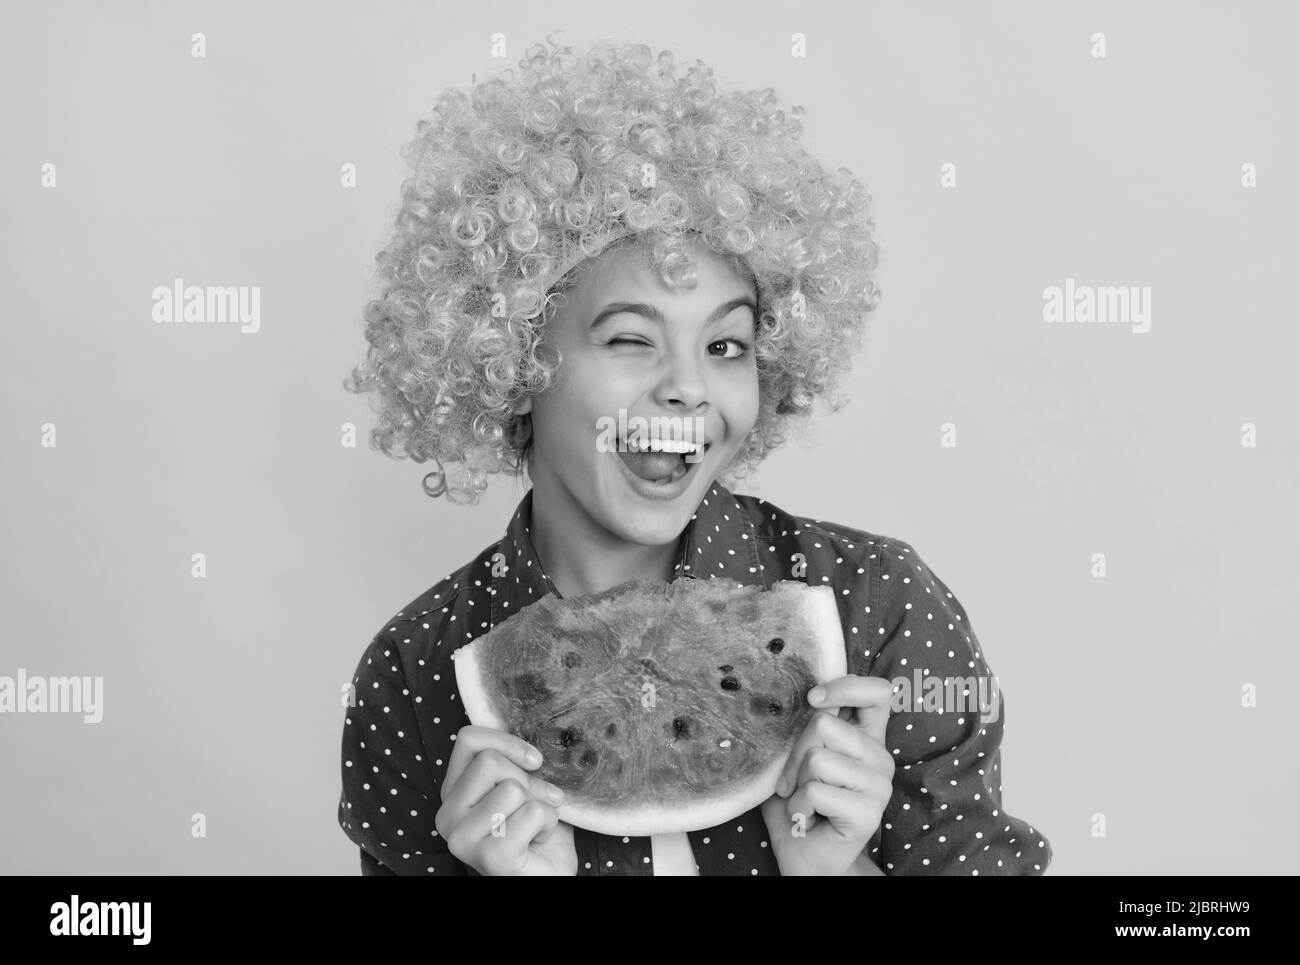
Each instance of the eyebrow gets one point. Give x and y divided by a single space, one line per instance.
655 315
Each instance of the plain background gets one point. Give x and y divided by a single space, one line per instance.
222 695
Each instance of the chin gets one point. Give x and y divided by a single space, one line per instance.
645 521
645 531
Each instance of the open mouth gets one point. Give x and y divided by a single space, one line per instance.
664 467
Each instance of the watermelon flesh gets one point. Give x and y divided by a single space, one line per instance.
658 707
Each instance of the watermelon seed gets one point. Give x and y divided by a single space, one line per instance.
726 668
531 688
611 730
730 683
568 738
572 659
681 727
776 645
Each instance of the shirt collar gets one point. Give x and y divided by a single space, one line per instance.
720 540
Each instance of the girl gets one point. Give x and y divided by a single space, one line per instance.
610 237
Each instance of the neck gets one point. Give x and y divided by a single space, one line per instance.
581 556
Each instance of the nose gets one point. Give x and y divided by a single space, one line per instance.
681 383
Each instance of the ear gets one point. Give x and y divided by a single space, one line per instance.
524 405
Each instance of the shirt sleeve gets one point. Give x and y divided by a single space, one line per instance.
390 796
945 816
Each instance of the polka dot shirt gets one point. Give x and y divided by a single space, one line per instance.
899 621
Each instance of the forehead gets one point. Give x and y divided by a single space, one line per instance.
624 273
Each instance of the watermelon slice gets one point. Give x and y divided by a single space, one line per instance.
658 707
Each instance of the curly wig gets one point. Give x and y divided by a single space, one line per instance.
521 180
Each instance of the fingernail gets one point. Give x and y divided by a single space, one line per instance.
533 756
554 793
816 695
780 787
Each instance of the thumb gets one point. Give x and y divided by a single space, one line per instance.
874 720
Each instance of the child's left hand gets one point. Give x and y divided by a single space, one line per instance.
842 777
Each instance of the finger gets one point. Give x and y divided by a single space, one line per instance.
560 831
869 696
849 812
532 823
466 830
487 818
488 768
508 851
824 729
875 720
830 767
853 690
470 740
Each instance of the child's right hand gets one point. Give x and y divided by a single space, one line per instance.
497 818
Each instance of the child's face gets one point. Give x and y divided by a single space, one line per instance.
687 367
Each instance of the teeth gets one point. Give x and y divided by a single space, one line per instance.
662 445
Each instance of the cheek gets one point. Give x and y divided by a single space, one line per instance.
568 416
744 400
